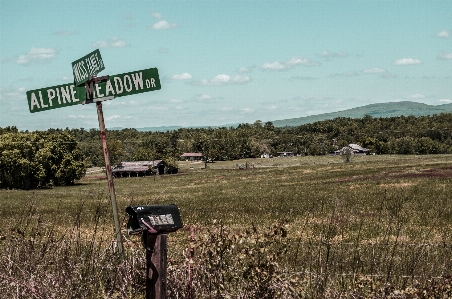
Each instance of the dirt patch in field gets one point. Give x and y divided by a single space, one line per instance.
398 185
443 172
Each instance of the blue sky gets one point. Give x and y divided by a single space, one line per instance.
225 62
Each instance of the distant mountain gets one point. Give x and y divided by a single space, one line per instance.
391 109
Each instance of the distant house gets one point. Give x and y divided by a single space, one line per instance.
191 156
357 150
286 154
139 168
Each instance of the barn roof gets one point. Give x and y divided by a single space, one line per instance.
357 147
136 166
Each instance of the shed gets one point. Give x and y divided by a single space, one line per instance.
139 168
191 156
357 149
285 154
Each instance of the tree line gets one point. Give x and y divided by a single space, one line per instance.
394 135
39 159
59 156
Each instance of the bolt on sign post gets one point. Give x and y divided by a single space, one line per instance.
88 88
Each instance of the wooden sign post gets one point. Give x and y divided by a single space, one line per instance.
156 265
111 185
88 88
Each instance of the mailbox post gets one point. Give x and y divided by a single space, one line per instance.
154 223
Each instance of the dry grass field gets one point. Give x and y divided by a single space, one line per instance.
295 227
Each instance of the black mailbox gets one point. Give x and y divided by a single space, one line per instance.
161 218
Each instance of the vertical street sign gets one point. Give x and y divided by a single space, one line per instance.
87 66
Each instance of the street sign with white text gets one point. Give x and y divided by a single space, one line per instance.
55 97
87 66
124 84
113 87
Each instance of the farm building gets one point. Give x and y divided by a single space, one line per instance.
357 150
286 154
139 168
191 156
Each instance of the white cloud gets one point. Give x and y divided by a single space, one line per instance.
294 61
247 110
446 100
444 33
407 61
244 70
202 97
13 94
66 78
162 25
156 15
375 70
444 56
297 60
114 42
176 101
273 66
112 117
416 96
223 79
225 109
184 76
347 74
80 116
37 55
329 55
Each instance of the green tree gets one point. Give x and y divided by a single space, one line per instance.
28 160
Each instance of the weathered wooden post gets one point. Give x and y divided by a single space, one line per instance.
111 184
156 265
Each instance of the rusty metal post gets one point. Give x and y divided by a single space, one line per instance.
111 185
156 265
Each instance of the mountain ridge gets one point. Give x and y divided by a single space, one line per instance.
384 110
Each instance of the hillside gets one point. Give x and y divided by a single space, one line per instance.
391 109
384 110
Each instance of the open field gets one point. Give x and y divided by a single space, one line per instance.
308 227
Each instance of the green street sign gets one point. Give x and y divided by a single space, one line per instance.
124 84
87 66
55 97
116 86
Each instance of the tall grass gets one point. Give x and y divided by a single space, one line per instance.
288 228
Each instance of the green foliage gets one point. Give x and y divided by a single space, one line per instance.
394 135
28 160
303 227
